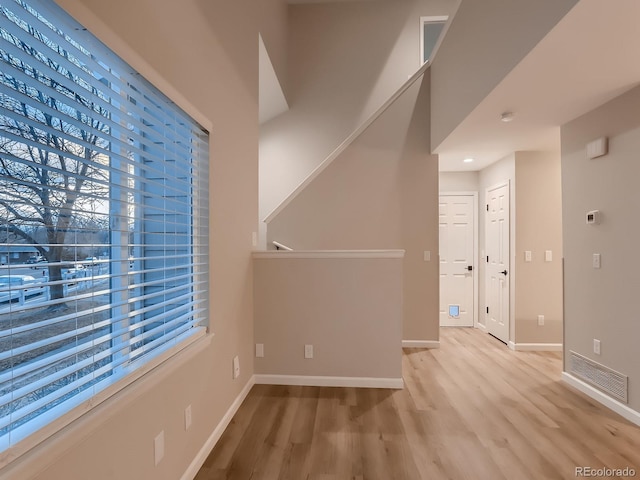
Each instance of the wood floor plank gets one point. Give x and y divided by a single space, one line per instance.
295 462
472 409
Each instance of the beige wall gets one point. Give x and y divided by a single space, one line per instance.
348 307
484 42
381 193
345 60
201 54
274 21
459 181
538 229
598 303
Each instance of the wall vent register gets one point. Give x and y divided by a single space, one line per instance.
603 378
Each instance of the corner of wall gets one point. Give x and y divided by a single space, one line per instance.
599 301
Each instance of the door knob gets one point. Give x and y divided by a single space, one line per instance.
470 268
504 272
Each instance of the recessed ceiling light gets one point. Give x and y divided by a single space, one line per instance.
506 116
468 160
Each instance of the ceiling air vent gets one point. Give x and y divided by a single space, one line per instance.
609 381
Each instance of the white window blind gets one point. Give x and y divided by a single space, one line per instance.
103 218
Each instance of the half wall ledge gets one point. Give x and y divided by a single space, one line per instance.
329 254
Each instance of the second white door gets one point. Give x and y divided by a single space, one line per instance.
498 271
457 265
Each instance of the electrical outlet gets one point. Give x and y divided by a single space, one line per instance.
548 256
236 367
527 256
259 350
540 320
308 351
596 346
158 447
427 256
596 260
187 417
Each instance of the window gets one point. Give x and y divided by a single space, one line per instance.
431 31
103 198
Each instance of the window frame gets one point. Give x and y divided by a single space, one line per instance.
433 19
61 415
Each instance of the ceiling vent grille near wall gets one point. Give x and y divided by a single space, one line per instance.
603 378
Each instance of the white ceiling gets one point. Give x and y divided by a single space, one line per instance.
590 57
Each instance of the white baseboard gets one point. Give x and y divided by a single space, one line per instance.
420 344
204 452
535 347
618 407
481 326
319 381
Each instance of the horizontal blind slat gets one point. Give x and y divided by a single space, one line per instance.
179 127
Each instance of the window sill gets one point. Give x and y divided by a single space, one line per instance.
123 389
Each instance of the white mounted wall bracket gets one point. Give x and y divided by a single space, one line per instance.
598 148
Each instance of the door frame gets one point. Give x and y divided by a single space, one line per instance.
476 262
510 257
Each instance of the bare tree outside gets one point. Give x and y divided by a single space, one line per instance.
55 180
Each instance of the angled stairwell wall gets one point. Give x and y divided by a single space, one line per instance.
344 60
380 193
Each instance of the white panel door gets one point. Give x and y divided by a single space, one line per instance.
497 245
457 266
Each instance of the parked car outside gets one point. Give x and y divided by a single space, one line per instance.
91 261
35 259
10 287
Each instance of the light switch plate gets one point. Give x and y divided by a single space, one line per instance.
527 256
187 417
158 447
548 256
308 351
596 346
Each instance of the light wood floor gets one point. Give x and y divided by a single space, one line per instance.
470 410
